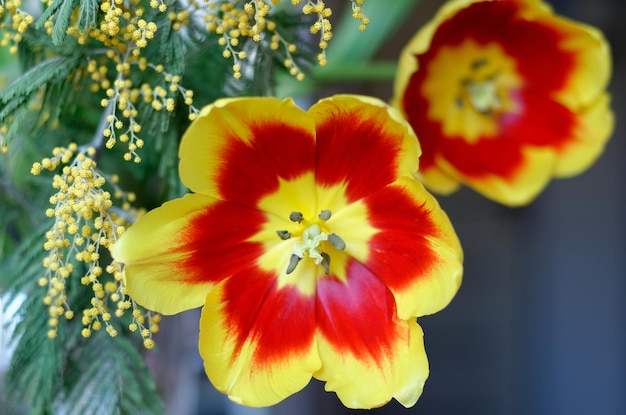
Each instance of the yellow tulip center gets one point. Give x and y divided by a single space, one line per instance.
467 86
284 235
482 95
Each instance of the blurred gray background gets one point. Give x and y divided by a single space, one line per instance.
539 325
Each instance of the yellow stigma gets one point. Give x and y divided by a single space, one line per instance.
483 95
310 244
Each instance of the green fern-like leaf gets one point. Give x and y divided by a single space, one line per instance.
171 46
61 13
88 14
71 375
36 363
50 11
33 376
20 91
112 370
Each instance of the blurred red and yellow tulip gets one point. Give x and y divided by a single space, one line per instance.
504 95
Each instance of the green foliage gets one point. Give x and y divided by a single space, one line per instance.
351 58
108 379
48 72
359 47
88 12
60 13
69 374
20 268
37 362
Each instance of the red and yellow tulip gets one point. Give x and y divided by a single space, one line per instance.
504 95
310 245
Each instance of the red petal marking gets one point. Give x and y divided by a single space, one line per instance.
281 322
535 47
356 150
215 241
548 124
499 156
401 252
251 171
357 316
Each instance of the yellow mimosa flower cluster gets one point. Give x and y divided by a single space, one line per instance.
86 224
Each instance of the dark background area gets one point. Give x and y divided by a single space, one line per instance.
539 324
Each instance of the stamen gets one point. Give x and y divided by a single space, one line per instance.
293 262
296 217
324 214
326 263
478 63
283 234
336 241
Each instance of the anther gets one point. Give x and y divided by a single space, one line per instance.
478 63
296 217
293 262
283 234
336 241
325 262
324 214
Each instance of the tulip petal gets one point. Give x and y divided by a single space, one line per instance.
364 135
438 181
258 341
239 149
417 254
176 253
369 355
596 123
532 175
591 68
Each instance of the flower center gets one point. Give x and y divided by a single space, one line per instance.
481 91
311 242
483 95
